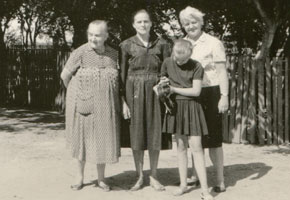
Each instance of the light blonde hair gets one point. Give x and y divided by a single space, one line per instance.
182 46
191 12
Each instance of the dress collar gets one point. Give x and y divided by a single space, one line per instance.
202 38
152 41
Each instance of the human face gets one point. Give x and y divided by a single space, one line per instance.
181 57
142 23
192 27
97 35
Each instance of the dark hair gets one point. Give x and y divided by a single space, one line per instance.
140 11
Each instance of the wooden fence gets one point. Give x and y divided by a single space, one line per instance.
259 101
259 92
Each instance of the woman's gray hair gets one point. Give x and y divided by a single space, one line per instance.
190 12
98 22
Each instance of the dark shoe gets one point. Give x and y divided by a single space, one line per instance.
218 189
77 187
193 182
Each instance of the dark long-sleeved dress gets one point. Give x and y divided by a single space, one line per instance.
140 70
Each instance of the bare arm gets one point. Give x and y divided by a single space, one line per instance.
224 86
194 91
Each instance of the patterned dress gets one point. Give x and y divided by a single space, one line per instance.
140 71
93 105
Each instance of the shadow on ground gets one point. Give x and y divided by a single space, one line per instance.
170 176
17 120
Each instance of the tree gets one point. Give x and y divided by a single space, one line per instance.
273 14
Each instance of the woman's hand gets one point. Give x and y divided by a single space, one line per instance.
223 104
126 110
164 79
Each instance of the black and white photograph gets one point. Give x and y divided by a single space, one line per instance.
144 99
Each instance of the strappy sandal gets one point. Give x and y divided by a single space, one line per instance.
206 197
138 185
104 186
156 184
180 191
77 187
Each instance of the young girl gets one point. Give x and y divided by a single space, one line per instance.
184 77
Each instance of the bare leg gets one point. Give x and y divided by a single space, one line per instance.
80 172
101 172
138 160
182 145
79 178
101 177
153 156
198 154
193 177
217 158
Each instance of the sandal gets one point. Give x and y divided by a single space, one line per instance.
193 182
156 184
219 189
180 191
77 187
138 185
206 197
104 186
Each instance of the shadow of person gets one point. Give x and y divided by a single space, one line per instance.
170 176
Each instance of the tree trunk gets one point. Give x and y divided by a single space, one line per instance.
267 41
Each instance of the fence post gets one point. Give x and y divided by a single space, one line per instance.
252 105
269 101
287 101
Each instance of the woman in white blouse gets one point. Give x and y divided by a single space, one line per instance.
209 51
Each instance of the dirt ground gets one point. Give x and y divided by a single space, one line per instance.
35 165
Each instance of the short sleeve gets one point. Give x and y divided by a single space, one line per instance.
198 72
218 51
73 62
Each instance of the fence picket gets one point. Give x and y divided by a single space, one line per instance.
268 102
287 101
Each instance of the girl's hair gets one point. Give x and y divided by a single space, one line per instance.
182 46
190 12
141 11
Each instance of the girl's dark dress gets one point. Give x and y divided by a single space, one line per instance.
189 117
140 71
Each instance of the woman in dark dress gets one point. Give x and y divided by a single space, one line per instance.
141 57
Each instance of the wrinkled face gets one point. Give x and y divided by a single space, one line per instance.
181 57
192 27
142 23
97 35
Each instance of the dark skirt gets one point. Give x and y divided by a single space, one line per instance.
188 119
144 130
210 97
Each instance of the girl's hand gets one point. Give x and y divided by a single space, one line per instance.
164 79
126 110
223 104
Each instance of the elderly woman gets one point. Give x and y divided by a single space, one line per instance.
209 51
92 104
140 62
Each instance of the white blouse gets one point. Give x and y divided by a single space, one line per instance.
208 50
